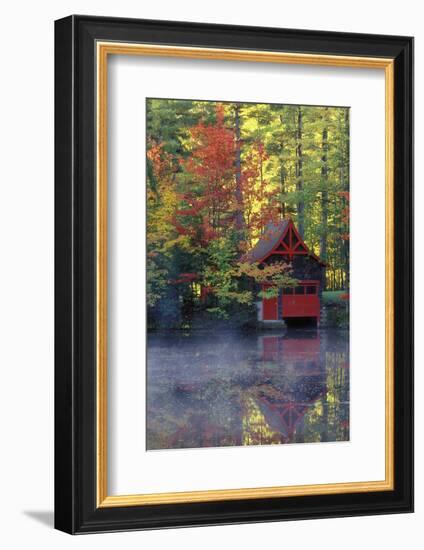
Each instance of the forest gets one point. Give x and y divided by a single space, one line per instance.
217 173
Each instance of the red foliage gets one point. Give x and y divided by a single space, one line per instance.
181 230
204 291
213 156
211 164
217 192
185 278
161 161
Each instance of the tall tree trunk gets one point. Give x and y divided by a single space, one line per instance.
344 183
299 174
239 218
324 194
283 191
282 175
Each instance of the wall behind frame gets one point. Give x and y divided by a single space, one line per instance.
26 277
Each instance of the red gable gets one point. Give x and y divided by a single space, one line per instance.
282 238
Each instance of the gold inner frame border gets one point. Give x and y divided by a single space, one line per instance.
103 50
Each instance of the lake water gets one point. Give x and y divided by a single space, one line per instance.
226 389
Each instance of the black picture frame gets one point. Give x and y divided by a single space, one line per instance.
76 510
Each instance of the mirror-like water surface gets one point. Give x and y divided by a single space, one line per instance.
226 389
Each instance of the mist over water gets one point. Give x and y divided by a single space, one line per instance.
213 389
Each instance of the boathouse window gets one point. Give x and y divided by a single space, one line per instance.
287 290
311 289
299 289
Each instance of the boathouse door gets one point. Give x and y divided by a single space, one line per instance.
269 307
302 301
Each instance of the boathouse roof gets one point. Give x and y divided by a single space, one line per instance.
281 238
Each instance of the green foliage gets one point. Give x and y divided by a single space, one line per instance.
337 315
337 308
333 296
156 282
219 274
276 275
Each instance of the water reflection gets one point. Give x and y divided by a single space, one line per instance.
225 389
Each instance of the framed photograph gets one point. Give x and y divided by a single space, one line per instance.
234 267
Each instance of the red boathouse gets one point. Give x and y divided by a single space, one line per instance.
282 242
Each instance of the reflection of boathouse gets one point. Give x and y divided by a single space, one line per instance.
268 388
282 243
303 348
302 381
